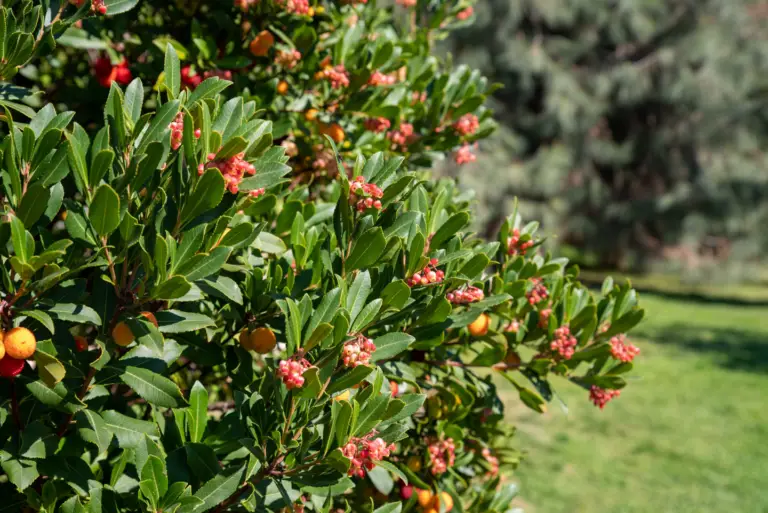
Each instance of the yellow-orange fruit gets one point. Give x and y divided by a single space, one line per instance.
414 463
311 12
445 500
262 43
344 396
310 115
282 87
64 216
2 346
20 343
122 334
479 326
245 340
150 317
334 131
425 498
431 510
319 9
263 340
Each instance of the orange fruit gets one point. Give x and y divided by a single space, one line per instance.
445 500
2 346
282 87
263 340
20 343
262 43
310 115
479 326
334 131
425 498
122 334
150 317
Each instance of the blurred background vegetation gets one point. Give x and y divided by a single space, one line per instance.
634 129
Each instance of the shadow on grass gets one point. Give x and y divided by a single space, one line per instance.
732 348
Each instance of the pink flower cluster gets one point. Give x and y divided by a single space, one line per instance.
465 296
442 454
430 274
288 59
221 73
564 343
515 247
378 78
364 452
358 352
233 169
466 13
467 124
377 125
621 350
97 6
600 396
403 135
255 193
544 317
464 155
538 293
290 371
300 7
366 195
492 460
337 76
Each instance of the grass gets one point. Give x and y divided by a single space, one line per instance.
691 435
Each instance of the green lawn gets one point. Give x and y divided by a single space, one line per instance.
689 435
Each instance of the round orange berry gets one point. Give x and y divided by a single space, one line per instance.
20 343
311 114
282 87
479 326
261 44
334 131
122 334
150 317
263 340
425 498
444 502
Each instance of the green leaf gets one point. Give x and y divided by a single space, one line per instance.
93 429
174 288
33 204
75 313
129 431
177 321
156 389
366 250
49 368
412 404
172 70
222 287
119 6
134 100
158 127
41 317
450 227
203 265
19 238
207 194
390 345
268 243
101 164
358 294
202 461
104 212
21 473
392 507
154 479
367 316
197 417
217 490
349 379
395 295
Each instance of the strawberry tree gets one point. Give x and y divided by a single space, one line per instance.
217 296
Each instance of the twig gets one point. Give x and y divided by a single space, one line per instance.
83 390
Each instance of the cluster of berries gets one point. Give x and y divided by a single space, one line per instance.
544 314
177 131
233 169
364 452
442 454
291 372
377 125
466 125
515 246
288 59
538 293
97 6
465 14
378 78
300 7
464 155
600 396
623 351
564 343
358 352
492 460
106 72
430 274
366 195
403 135
463 297
337 76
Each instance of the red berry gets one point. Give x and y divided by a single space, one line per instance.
11 367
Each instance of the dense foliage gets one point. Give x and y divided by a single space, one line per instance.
229 284
645 122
